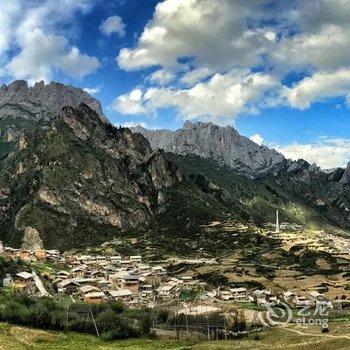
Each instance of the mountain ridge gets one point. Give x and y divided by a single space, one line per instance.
28 107
223 144
80 178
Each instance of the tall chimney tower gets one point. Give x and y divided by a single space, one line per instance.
277 223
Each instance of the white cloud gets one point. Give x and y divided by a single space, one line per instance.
33 44
258 139
194 76
162 77
213 33
92 91
133 124
325 152
304 36
220 99
318 87
42 54
130 103
113 24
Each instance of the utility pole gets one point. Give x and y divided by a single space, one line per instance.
277 223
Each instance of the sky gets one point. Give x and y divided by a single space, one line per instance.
278 71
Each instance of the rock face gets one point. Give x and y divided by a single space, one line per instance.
51 97
81 181
223 144
31 239
24 107
346 176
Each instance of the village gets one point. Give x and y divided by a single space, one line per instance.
94 279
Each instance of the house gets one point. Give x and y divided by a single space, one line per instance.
159 270
24 255
121 294
300 302
86 281
88 289
79 271
316 296
95 274
168 290
136 258
288 296
11 253
239 294
115 259
109 269
103 284
186 279
68 287
126 263
225 295
130 282
94 297
23 282
144 268
261 297
40 254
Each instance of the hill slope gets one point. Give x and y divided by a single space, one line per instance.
79 182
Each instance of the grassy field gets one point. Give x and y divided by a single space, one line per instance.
290 337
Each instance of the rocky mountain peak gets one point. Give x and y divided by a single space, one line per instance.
50 97
346 176
24 107
223 144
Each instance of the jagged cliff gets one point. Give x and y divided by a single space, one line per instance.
69 179
80 181
23 107
274 180
222 144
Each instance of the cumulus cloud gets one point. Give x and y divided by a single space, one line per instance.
312 37
213 33
322 40
257 138
32 41
319 86
41 54
194 76
113 24
133 124
221 98
162 77
92 91
130 103
325 152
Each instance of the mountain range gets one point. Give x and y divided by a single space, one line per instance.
68 178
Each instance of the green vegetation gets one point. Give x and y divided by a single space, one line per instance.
112 321
21 338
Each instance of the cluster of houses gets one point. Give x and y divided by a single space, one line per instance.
97 278
263 297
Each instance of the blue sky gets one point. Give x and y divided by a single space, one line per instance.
278 71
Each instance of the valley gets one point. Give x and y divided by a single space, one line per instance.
94 221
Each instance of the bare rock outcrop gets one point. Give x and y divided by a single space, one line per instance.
31 239
346 176
223 144
26 108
